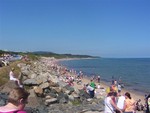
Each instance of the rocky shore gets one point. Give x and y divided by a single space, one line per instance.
49 93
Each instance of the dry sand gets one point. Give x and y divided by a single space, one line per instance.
134 95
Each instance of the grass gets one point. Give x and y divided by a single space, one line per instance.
76 102
4 72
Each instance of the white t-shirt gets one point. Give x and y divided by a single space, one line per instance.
108 107
120 103
119 87
11 76
89 88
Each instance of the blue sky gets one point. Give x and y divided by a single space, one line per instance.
107 28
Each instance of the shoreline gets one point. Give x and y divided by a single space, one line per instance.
136 95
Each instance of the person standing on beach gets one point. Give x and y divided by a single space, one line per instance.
120 101
112 80
110 105
98 79
129 105
119 88
147 101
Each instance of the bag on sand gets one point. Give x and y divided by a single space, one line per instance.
107 90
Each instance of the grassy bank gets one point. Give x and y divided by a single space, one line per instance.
4 72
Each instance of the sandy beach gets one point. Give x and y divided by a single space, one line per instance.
102 92
103 86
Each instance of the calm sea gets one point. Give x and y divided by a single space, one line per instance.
134 72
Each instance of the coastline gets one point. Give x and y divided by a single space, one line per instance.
57 77
134 94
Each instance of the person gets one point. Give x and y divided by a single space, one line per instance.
147 100
90 90
98 79
120 102
129 105
110 105
92 84
16 101
115 82
12 77
119 88
112 80
114 88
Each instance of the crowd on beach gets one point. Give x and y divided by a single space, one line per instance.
115 101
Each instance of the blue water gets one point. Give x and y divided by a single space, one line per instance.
134 72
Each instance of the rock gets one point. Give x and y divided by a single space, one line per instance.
46 75
54 95
62 84
21 65
25 71
38 90
41 79
89 99
9 86
53 79
33 75
61 97
52 84
3 99
71 98
84 95
48 97
75 95
50 101
63 100
76 90
68 92
30 82
44 85
32 100
57 89
71 89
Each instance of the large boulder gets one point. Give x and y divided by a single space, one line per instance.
57 89
62 98
44 85
30 82
33 75
32 100
68 88
25 71
3 99
38 90
41 79
50 101
20 65
53 79
6 88
52 84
